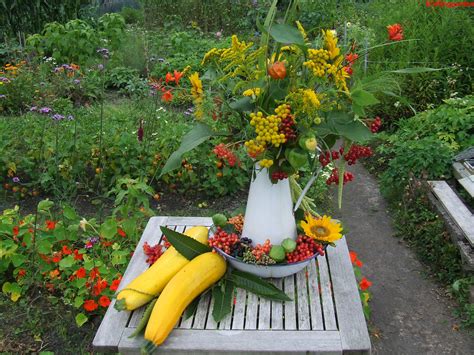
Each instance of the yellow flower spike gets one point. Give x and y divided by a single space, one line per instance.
330 42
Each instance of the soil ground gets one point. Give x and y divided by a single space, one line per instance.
411 313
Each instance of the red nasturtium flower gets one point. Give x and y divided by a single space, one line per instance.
21 273
358 263
353 256
81 273
50 224
90 305
167 96
395 32
99 287
94 273
364 284
115 284
277 70
77 255
57 257
15 231
121 232
104 301
66 250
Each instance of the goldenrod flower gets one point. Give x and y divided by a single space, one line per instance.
322 229
198 94
252 92
330 42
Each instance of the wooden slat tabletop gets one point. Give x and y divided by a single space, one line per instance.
325 316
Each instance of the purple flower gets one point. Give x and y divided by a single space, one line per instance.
4 80
94 240
76 81
33 108
189 111
16 179
44 110
100 67
70 117
57 69
58 117
3 96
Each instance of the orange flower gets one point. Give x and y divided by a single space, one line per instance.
54 274
66 250
90 305
104 301
107 243
15 231
121 232
177 75
353 256
351 58
364 284
81 273
277 70
50 225
167 96
21 273
169 77
395 32
115 284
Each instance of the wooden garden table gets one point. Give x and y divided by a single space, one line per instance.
325 316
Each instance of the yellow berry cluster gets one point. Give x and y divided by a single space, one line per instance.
283 111
254 148
267 129
266 163
318 61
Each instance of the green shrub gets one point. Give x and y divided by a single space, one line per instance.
132 16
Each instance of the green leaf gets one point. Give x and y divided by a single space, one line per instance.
191 308
78 301
286 34
146 316
341 123
186 246
363 98
416 70
18 259
223 295
45 205
69 213
66 262
81 318
199 134
108 229
243 104
44 246
258 286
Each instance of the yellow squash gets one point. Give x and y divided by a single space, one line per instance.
197 276
150 283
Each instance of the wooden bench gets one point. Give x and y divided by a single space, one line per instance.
325 316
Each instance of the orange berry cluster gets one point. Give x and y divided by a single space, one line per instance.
223 240
238 222
260 250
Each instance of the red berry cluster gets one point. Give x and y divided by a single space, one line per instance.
279 175
375 126
334 177
223 240
225 154
356 152
259 249
306 247
287 127
326 158
153 253
166 244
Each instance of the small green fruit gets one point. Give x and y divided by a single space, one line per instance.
219 220
289 245
311 144
277 253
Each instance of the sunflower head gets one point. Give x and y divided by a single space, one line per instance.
322 229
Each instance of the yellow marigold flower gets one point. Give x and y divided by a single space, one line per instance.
321 229
252 92
330 43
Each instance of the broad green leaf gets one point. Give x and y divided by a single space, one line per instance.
18 259
108 229
363 98
223 295
68 261
199 134
415 70
258 286
286 34
81 318
191 308
340 123
44 246
186 246
70 213
78 301
144 321
45 205
243 104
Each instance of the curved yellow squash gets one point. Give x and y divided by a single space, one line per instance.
150 283
196 277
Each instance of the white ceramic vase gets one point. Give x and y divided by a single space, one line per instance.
269 212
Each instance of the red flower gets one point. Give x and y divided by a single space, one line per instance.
50 225
21 273
15 231
277 70
94 273
351 58
358 263
90 305
177 75
395 32
115 284
81 273
57 258
167 96
66 250
348 70
104 301
353 256
364 284
107 244
121 232
77 256
99 287
169 77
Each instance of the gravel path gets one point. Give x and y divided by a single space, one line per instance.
410 312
